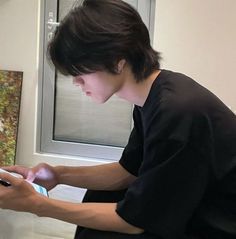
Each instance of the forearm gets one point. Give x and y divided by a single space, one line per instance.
100 177
99 216
21 196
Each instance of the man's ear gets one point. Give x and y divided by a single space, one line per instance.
120 65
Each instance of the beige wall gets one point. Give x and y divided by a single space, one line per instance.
19 34
18 51
195 38
199 38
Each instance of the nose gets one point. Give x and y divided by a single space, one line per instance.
78 81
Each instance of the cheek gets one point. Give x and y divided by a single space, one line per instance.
101 95
102 88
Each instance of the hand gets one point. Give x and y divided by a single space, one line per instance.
20 196
42 174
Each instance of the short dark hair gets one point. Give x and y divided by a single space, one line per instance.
97 34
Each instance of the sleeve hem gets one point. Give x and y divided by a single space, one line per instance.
122 163
126 217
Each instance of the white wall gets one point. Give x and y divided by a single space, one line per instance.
196 37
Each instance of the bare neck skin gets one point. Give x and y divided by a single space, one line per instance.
136 92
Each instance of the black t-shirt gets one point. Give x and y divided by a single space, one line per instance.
183 151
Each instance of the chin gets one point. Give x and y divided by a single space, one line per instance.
100 101
100 98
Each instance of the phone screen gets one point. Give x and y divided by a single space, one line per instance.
40 189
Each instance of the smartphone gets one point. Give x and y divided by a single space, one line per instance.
37 187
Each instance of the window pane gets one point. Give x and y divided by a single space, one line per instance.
71 123
65 6
78 119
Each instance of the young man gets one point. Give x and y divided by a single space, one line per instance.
177 176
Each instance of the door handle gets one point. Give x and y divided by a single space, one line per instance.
51 24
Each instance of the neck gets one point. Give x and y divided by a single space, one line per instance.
136 92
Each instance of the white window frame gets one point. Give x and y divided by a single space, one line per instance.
46 92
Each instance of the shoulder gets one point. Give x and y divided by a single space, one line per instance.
172 94
180 93
176 101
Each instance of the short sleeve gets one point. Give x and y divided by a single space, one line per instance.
172 178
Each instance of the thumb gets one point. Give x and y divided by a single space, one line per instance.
31 176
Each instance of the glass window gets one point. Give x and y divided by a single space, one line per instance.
71 123
79 119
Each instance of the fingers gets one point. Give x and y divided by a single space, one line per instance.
35 172
27 173
10 168
17 169
9 178
31 176
40 173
